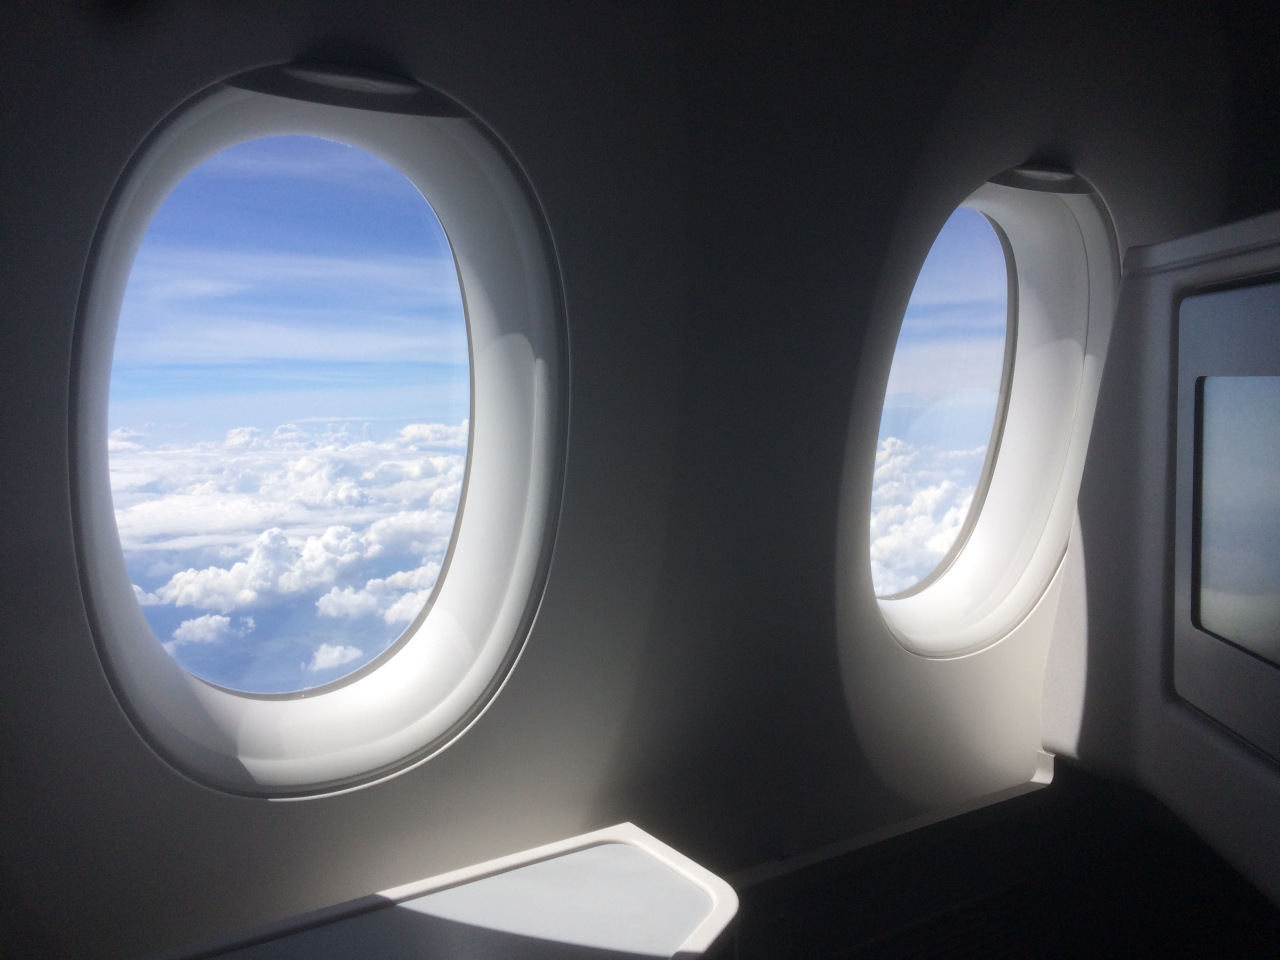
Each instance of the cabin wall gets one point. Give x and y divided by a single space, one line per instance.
723 187
111 851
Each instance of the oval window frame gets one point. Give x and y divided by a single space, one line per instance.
413 701
1066 264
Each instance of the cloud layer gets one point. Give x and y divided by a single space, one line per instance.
310 540
920 497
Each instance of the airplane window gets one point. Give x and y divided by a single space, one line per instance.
942 416
985 421
288 416
319 418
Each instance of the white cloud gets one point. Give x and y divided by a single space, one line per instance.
274 568
327 657
397 598
347 602
334 535
407 607
216 588
122 439
240 437
210 628
920 497
325 529
181 496
322 559
423 578
435 434
416 532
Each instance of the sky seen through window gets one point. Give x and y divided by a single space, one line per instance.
940 404
289 411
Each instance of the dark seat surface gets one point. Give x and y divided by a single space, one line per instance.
1085 868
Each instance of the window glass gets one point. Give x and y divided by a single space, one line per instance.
1238 591
941 404
290 395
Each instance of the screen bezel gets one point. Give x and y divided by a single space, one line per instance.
1227 331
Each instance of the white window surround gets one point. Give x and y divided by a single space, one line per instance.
1068 276
438 678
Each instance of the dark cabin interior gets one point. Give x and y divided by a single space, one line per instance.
725 185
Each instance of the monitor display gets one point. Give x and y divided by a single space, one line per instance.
1226 596
1237 580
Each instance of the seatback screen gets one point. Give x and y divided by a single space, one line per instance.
1237 583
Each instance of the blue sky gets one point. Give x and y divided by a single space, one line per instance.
950 354
288 279
940 403
288 415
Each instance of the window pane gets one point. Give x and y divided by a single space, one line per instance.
1239 575
941 403
290 396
